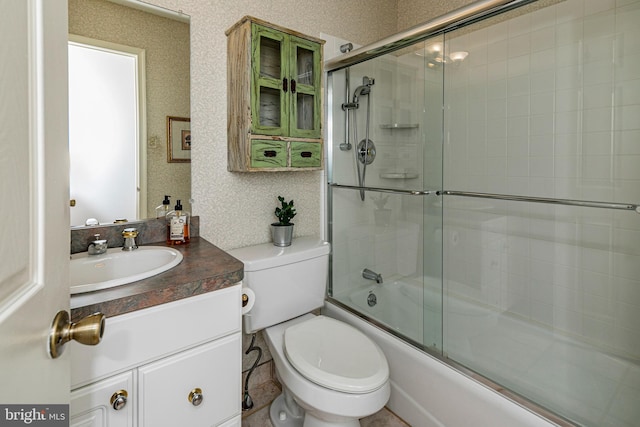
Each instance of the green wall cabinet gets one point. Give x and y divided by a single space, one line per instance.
274 106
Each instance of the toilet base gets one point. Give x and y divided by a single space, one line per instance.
284 412
311 421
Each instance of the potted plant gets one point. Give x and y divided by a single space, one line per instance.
282 231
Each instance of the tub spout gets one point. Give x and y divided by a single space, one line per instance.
371 275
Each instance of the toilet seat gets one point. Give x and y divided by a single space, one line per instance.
335 355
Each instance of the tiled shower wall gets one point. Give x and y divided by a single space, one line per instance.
547 104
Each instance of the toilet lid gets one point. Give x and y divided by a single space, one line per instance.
335 355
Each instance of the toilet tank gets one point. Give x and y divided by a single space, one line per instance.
287 281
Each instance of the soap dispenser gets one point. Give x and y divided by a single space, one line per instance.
178 226
163 209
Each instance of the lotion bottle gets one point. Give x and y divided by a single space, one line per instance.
178 226
163 209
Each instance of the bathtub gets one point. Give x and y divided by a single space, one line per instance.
593 388
425 392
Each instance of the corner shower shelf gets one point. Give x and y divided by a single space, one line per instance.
400 126
399 175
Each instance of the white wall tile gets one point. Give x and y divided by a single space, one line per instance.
627 117
517 127
541 146
627 69
543 39
544 81
598 72
591 7
541 166
599 25
597 120
626 142
568 32
542 124
497 51
627 93
562 106
597 144
598 96
497 70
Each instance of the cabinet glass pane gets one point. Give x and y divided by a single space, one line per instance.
269 107
305 66
305 104
270 58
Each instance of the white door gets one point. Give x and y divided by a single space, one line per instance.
34 212
113 75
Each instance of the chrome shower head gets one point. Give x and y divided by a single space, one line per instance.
365 89
360 90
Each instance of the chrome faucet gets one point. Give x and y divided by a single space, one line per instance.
371 275
129 235
98 246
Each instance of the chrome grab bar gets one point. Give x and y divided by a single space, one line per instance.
387 190
567 202
548 200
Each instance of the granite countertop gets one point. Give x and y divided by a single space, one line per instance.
204 268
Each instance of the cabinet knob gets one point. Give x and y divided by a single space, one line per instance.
196 397
119 399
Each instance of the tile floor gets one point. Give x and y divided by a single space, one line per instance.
258 416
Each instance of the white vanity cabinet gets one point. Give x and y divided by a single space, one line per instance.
179 363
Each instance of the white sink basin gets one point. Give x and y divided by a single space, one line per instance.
117 267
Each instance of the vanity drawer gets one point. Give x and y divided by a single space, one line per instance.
142 336
168 387
268 154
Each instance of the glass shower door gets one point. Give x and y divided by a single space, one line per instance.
386 253
542 298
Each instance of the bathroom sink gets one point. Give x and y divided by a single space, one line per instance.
117 267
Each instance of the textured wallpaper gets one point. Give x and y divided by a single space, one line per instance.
415 12
166 44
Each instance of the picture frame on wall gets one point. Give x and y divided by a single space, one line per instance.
178 139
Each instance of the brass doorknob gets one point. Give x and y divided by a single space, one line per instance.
119 399
87 331
196 397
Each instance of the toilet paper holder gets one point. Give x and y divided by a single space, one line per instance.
248 299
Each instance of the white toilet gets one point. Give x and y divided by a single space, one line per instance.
331 373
